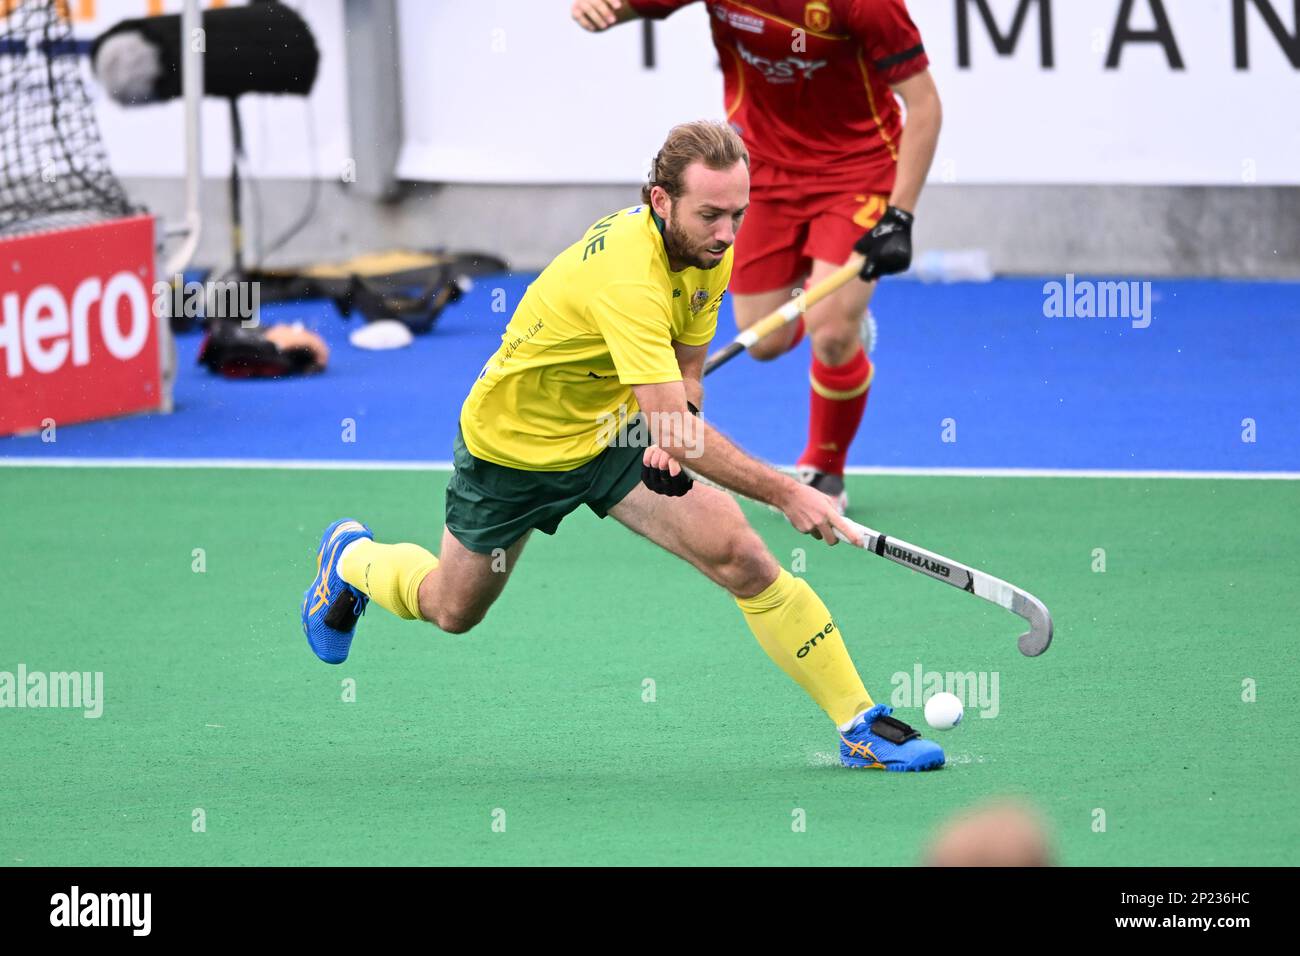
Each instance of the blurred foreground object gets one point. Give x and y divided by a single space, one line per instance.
1004 833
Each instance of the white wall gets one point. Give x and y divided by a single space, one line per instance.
500 91
513 91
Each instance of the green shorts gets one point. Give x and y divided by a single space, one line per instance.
491 506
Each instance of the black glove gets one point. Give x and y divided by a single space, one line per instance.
663 482
888 247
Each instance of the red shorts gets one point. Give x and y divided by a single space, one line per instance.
793 219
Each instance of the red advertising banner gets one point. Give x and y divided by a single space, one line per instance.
78 335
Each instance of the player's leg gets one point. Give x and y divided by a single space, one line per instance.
452 591
352 569
490 512
754 306
457 595
707 528
839 379
841 371
835 323
768 268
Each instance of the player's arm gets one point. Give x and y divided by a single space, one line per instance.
893 47
633 319
920 137
680 437
690 359
598 15
888 246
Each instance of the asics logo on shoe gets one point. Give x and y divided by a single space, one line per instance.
322 592
812 641
346 527
862 751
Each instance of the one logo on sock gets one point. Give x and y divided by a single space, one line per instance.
812 641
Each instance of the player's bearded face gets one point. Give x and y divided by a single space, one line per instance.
701 223
697 238
698 246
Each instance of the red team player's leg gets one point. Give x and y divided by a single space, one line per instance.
839 379
801 239
770 264
841 374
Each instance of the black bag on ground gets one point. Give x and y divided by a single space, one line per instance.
411 287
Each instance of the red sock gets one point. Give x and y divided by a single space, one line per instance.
839 396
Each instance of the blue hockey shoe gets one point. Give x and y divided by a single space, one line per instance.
331 606
880 742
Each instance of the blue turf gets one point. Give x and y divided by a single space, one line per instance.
1023 390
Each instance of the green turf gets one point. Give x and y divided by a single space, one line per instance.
214 701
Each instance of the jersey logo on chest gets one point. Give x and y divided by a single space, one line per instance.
780 71
817 16
740 21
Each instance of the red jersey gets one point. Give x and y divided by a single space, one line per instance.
808 81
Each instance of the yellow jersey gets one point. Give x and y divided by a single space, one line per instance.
602 317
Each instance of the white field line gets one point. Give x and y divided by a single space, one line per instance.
324 465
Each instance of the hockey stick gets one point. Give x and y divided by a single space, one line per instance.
953 573
971 580
786 314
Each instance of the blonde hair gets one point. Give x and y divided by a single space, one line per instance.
715 144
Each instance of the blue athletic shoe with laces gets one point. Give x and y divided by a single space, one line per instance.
331 606
881 742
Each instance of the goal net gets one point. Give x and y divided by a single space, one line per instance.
54 169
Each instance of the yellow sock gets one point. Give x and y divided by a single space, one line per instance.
390 574
795 628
